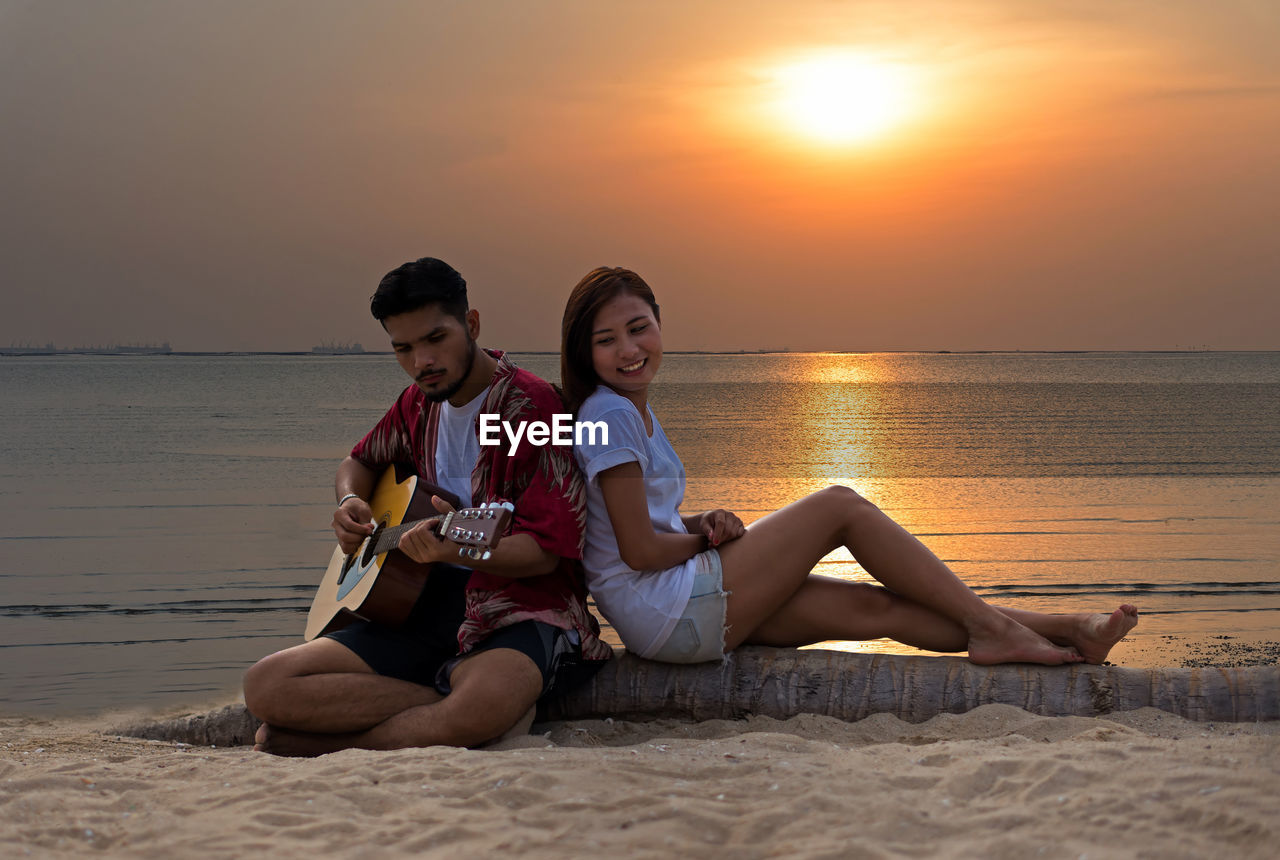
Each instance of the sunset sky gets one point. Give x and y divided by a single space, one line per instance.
969 174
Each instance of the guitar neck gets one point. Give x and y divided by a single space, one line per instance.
389 538
477 530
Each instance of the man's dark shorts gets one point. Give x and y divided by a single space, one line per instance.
425 649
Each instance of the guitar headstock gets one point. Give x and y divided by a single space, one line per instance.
477 529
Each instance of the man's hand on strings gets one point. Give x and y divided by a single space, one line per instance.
352 523
422 544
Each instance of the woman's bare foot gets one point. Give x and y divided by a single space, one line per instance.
1003 640
1098 632
285 742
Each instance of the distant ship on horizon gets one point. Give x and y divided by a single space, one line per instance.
121 349
338 349
113 349
28 349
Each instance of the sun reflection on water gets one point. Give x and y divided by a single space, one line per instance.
839 430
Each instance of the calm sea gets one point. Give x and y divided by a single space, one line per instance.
164 519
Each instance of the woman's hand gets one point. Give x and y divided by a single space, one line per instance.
720 526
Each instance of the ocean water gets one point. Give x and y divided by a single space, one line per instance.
164 520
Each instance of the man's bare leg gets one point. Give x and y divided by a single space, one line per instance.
323 686
492 692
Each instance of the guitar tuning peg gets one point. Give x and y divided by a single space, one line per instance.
486 555
508 506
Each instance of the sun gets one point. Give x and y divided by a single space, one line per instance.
843 98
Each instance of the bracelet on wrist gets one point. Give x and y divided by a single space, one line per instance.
342 501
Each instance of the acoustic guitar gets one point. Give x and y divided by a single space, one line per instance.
380 583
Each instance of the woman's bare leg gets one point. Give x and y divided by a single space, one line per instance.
826 608
1091 633
768 565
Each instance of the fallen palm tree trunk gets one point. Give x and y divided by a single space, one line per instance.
784 682
231 726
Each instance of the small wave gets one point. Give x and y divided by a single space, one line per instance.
1148 586
1151 589
1241 610
178 640
1162 592
226 608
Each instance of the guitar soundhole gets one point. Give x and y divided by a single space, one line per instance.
370 553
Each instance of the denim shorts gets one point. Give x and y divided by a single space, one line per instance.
699 634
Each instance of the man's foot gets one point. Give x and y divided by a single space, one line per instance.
286 742
1007 641
1098 632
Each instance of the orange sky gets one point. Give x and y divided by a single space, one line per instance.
238 175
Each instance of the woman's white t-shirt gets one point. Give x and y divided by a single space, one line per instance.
643 606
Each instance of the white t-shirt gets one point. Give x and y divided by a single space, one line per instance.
458 446
643 606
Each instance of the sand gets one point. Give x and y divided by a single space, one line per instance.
995 782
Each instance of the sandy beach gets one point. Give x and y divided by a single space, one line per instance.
994 782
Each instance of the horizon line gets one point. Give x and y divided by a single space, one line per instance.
74 351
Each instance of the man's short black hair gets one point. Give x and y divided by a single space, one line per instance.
423 282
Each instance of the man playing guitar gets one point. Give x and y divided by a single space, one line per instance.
484 642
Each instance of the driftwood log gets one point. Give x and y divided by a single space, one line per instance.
784 682
232 726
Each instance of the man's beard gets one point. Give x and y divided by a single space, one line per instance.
456 386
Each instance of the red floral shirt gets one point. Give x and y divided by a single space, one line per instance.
543 483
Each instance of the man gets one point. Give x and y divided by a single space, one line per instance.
483 644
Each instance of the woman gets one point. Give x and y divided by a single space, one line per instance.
685 589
